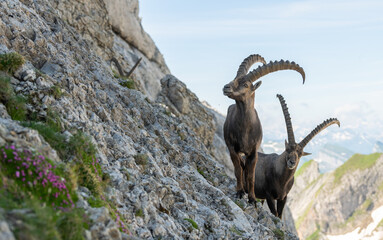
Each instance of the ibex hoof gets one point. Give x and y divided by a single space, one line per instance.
240 194
252 201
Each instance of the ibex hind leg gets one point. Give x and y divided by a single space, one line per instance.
244 174
236 159
271 205
280 206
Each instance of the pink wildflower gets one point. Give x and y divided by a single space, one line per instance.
17 174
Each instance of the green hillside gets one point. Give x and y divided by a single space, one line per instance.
357 161
303 168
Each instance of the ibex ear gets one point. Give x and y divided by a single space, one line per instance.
256 85
305 154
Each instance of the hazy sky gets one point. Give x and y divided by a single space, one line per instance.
338 43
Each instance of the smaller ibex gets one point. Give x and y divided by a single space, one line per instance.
274 174
242 128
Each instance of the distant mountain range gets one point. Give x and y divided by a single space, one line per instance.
330 149
378 147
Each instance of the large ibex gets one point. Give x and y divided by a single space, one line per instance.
274 174
242 128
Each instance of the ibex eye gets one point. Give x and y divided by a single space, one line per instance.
245 85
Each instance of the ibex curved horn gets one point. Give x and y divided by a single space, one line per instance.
248 62
286 114
273 67
317 130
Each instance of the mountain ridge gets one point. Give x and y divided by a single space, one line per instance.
337 202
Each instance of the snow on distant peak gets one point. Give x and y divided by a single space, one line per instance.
366 233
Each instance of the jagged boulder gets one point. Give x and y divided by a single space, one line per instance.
185 104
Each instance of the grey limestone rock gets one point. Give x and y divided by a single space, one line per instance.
158 152
123 16
5 232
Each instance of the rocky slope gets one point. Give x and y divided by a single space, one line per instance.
333 204
154 144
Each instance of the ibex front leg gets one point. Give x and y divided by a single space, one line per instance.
236 159
250 164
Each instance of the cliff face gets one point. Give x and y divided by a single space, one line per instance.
154 145
340 202
112 29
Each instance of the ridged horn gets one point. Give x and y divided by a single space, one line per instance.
317 130
286 114
273 67
248 62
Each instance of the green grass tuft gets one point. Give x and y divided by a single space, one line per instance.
96 202
16 108
191 221
89 171
200 171
88 178
141 159
129 83
115 74
72 224
53 120
56 91
6 90
380 225
10 62
357 161
314 236
279 234
81 145
15 104
303 168
235 230
55 139
240 204
139 213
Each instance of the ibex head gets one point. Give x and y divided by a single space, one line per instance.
242 86
293 150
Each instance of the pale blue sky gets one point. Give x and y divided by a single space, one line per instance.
338 43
